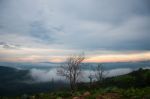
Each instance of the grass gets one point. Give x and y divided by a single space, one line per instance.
129 93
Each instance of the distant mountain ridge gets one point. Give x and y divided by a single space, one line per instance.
27 65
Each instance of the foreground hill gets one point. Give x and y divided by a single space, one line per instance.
139 78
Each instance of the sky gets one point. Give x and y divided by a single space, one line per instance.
51 30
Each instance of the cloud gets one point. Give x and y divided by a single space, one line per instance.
83 26
146 67
87 25
40 75
107 73
9 46
40 32
119 71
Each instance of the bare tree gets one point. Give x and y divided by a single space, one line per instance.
71 70
99 73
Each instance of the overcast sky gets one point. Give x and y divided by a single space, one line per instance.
49 30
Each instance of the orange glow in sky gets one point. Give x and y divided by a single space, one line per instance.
119 58
54 55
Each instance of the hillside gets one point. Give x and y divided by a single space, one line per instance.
139 78
9 74
17 82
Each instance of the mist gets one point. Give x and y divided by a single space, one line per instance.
42 75
46 75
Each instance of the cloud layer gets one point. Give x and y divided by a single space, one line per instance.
41 75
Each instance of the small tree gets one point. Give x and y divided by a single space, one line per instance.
91 77
71 70
99 73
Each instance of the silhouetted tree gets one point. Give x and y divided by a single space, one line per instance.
71 70
99 73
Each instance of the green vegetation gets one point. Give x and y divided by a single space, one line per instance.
121 93
136 79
